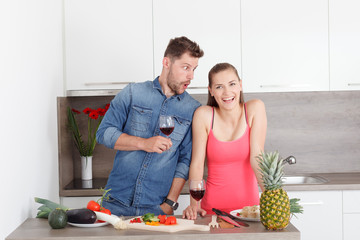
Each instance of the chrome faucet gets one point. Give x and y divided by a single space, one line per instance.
290 160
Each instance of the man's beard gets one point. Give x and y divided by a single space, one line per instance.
176 88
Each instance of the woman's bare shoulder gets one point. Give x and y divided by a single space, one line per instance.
203 114
255 105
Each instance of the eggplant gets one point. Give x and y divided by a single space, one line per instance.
81 215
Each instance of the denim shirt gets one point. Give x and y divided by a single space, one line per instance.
139 178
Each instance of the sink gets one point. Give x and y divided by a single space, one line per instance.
288 180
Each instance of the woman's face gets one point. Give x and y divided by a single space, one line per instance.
225 88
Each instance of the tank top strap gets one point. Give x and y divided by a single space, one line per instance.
212 121
246 114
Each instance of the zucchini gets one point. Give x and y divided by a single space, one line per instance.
81 215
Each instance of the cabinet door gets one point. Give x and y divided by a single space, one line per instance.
285 45
213 24
351 209
322 217
107 43
344 26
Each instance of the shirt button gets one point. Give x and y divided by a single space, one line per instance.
139 182
145 165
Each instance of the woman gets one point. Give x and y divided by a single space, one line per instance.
230 134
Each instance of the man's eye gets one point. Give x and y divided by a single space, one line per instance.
186 68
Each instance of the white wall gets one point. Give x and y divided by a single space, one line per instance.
31 77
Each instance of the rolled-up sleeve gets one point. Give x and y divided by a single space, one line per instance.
115 118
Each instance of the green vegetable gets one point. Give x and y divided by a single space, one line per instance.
47 207
150 217
57 218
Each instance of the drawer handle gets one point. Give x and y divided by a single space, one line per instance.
197 88
105 83
284 85
353 84
311 203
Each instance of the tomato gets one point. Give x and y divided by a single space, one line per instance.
170 220
162 218
92 205
104 210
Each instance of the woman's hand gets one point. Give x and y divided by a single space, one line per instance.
191 212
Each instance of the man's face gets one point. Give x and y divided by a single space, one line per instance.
181 72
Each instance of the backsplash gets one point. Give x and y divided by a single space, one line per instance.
321 129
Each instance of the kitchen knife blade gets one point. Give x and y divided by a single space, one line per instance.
230 217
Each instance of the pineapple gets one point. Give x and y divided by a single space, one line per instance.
274 201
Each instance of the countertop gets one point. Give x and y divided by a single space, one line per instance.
39 229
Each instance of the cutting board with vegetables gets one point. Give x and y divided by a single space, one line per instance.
181 225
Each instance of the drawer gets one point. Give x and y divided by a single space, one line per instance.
351 201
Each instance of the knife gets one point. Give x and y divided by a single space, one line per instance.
229 218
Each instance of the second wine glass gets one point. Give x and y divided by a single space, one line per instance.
197 190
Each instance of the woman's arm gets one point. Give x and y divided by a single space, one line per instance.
258 124
200 130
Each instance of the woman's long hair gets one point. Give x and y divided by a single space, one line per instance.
216 69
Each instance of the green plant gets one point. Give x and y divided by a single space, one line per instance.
94 118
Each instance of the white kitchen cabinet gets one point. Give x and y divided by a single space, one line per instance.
351 208
285 45
107 43
322 217
213 24
344 28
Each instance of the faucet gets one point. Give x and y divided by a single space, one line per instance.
290 160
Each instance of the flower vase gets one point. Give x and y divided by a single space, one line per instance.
86 167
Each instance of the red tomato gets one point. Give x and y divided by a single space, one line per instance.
162 218
94 206
104 210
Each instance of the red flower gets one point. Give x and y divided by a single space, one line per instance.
101 111
107 106
94 114
75 111
87 110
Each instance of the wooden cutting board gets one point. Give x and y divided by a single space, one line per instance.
182 225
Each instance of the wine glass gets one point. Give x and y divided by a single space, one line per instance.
197 190
166 124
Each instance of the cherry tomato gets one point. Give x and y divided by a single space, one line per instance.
94 206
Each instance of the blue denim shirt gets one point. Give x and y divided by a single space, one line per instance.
139 178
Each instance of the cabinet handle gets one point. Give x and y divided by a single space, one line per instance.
353 84
197 87
311 203
284 85
105 83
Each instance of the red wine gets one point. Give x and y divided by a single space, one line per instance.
167 130
197 194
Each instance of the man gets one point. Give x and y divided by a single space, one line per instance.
145 177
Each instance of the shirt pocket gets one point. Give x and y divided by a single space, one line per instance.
181 127
140 120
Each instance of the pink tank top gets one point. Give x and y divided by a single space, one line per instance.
231 182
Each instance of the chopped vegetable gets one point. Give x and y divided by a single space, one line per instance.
171 220
153 223
135 220
162 218
150 217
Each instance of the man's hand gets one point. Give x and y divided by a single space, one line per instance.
156 144
166 209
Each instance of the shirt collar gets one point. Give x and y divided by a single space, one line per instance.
156 85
